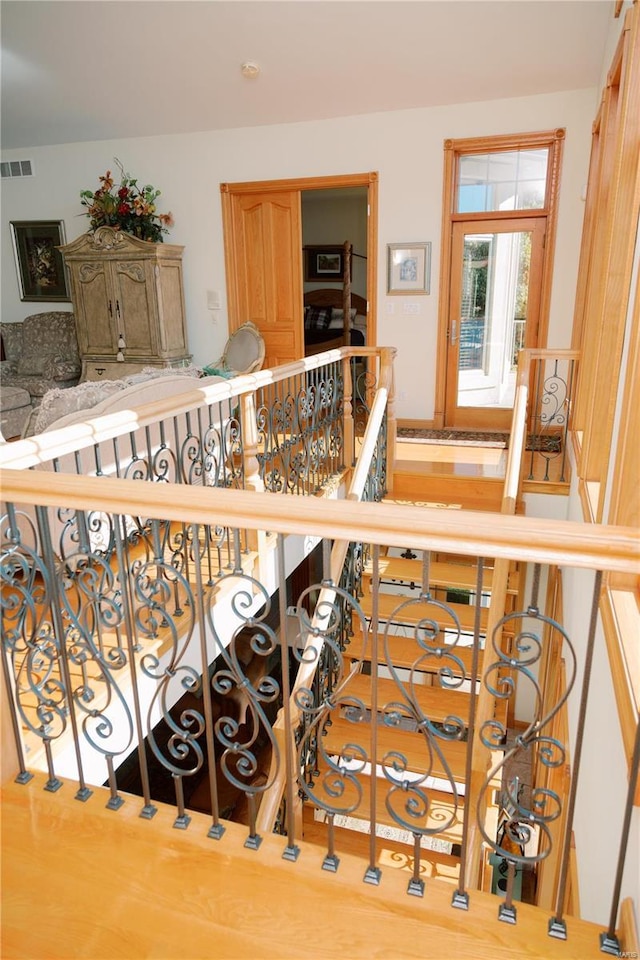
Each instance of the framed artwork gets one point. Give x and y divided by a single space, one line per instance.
324 263
41 269
408 268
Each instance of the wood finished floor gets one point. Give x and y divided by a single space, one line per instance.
79 880
490 463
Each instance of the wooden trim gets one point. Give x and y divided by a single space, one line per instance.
629 940
409 424
621 622
301 183
466 532
588 234
554 139
606 324
624 506
369 180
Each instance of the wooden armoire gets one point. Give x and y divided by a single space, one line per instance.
128 302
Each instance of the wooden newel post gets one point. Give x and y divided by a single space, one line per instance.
392 428
251 464
347 406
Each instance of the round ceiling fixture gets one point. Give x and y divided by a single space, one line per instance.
250 70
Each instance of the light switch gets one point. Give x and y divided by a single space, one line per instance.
213 300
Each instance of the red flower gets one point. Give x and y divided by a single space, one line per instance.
123 192
124 209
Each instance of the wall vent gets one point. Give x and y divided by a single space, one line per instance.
16 168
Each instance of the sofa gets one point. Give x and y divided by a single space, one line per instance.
41 354
95 398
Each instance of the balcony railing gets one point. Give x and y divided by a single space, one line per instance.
137 662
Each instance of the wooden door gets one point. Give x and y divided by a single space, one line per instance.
264 269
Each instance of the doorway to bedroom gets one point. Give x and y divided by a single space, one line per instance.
267 266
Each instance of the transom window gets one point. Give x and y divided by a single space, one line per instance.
504 180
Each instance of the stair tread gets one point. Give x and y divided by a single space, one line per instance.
392 740
441 574
405 651
437 703
416 610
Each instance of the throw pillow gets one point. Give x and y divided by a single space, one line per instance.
317 318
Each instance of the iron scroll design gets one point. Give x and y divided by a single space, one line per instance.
300 431
523 816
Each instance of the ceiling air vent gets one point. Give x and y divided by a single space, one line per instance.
16 168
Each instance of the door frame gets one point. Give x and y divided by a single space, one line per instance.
554 139
299 185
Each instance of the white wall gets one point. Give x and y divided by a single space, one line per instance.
405 147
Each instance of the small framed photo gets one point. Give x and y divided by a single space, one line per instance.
325 263
408 268
41 269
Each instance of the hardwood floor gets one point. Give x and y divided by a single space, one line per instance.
470 476
79 880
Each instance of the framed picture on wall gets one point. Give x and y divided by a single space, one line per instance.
408 268
324 263
39 264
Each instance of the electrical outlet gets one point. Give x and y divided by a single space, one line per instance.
413 308
402 394
390 307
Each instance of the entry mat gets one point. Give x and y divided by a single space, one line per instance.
550 443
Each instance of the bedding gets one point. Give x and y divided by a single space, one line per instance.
324 321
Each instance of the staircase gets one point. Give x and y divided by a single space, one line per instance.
410 681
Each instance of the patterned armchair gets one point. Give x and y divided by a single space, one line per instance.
41 353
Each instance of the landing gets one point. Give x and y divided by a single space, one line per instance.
79 880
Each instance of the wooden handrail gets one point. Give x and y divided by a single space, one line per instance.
472 533
57 443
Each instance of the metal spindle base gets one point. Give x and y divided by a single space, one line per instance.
331 863
182 822
53 784
24 777
609 943
216 831
416 887
148 811
507 914
253 842
291 853
460 899
373 876
83 794
114 803
557 928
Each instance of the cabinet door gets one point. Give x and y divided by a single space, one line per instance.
135 312
95 308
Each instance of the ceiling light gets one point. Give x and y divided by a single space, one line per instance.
250 70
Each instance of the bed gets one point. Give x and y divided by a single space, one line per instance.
324 326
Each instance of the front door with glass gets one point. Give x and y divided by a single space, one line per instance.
493 313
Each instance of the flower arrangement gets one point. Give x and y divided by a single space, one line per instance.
126 207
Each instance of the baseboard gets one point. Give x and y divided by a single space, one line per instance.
417 424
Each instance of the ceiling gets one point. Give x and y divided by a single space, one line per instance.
81 70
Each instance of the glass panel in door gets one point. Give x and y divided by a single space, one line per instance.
494 310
